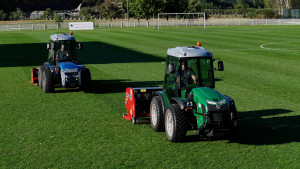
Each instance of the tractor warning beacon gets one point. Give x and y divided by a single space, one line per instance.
62 68
187 100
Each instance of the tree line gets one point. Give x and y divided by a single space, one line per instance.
111 9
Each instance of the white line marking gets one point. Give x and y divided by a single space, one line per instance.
266 44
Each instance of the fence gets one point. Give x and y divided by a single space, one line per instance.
153 23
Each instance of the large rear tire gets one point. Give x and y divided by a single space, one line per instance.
156 114
48 81
175 123
85 80
40 74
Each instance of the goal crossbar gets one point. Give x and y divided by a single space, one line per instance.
198 13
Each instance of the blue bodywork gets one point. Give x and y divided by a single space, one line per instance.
68 74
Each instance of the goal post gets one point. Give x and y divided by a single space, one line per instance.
181 19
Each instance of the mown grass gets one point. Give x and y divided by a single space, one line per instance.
72 129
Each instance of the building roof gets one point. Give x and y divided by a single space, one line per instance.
189 51
42 6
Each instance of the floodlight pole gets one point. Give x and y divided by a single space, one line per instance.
127 14
204 20
158 21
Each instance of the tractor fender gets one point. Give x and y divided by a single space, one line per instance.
161 97
47 65
232 107
231 103
183 104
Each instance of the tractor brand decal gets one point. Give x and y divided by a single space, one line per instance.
71 70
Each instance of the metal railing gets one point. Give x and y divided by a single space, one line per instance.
152 23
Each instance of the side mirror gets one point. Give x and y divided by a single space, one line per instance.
220 66
80 46
171 68
48 46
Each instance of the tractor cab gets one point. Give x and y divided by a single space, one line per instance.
62 48
187 68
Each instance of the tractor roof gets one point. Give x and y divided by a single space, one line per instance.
189 51
59 37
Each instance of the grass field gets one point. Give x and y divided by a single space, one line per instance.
72 129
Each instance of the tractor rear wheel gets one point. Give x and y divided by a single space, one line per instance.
40 74
156 114
85 80
175 123
48 81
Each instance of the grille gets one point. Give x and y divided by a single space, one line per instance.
219 119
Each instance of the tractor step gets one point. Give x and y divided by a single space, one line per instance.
35 76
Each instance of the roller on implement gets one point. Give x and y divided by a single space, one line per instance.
187 100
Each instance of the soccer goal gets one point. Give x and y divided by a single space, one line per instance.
181 19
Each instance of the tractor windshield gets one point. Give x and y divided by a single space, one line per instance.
66 50
188 72
195 72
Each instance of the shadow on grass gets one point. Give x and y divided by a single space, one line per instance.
119 85
267 127
35 54
263 127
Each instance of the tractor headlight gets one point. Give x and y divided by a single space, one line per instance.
222 101
211 102
188 105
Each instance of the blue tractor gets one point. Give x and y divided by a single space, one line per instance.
62 68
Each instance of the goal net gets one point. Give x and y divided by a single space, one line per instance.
181 19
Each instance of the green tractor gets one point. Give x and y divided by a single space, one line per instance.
188 100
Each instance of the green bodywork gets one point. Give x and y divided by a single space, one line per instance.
203 92
202 95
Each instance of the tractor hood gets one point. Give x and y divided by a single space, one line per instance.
209 95
68 67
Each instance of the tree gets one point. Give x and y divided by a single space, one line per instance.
110 9
17 15
2 15
194 6
240 7
146 8
86 13
48 14
90 3
252 13
57 18
175 6
295 4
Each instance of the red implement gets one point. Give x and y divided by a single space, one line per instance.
35 76
138 101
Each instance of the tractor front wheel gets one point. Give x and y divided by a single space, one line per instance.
48 81
175 123
156 114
